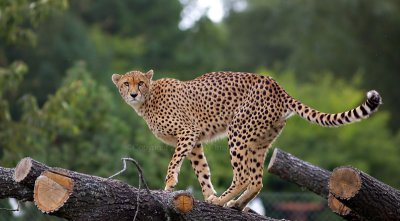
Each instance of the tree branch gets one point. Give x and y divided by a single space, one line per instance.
306 175
366 195
77 196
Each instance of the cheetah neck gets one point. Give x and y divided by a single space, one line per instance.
137 108
141 108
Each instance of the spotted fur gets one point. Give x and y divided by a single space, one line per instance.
251 110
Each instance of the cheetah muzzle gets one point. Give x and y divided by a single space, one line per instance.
251 110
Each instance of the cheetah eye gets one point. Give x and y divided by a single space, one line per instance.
126 83
141 83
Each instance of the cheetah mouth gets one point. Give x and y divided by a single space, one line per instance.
133 101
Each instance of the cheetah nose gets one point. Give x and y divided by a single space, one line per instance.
134 95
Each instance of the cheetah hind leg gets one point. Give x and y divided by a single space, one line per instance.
240 175
256 167
202 171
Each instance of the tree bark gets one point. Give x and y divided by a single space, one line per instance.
77 196
306 175
11 189
366 195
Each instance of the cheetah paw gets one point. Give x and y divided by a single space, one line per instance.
170 184
169 188
231 203
235 204
208 195
213 199
249 210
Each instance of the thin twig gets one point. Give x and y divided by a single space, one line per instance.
141 180
12 210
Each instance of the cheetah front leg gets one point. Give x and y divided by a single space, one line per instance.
202 171
185 144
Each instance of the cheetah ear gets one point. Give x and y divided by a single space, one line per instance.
149 74
115 78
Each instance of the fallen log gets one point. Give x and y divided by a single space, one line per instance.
366 195
27 170
11 189
306 175
77 196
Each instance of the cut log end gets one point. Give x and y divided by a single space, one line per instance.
183 202
338 207
273 157
345 182
52 190
22 169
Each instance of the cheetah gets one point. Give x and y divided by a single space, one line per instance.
251 110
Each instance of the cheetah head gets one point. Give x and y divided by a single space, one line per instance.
133 86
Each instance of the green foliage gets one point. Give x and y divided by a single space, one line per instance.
11 76
76 120
202 50
55 53
152 23
18 17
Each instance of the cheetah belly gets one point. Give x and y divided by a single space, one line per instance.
167 139
213 136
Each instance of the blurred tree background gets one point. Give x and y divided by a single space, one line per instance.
58 104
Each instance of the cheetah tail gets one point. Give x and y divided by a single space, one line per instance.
363 111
